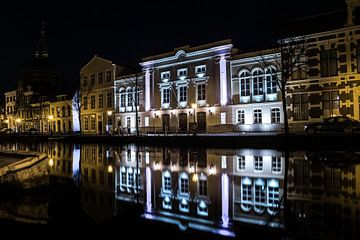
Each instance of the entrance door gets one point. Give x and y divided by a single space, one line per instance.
166 122
201 121
100 127
182 122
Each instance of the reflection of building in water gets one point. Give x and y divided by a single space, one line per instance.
97 181
60 160
258 177
324 198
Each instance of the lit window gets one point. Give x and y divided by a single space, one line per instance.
165 95
122 98
275 115
271 80
257 116
129 97
183 94
240 117
246 194
201 94
258 82
167 182
273 197
260 196
244 84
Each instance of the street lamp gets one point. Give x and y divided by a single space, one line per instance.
194 106
109 113
18 121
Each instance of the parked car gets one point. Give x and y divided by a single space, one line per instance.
336 124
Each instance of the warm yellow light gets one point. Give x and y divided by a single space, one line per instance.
195 177
6 121
51 162
18 120
51 117
109 113
212 170
194 105
110 169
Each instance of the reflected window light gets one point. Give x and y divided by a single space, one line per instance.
110 169
51 162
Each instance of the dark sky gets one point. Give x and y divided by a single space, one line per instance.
124 33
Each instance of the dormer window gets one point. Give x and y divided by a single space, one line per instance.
165 76
182 73
200 70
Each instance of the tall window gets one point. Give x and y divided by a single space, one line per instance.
328 62
63 111
167 182
246 195
273 197
331 103
257 116
86 120
129 97
183 94
275 115
137 96
258 163
85 103
260 196
184 184
92 102
258 82
241 162
108 76
203 187
244 84
271 80
85 80
108 99
92 123
276 164
101 101
166 95
128 121
300 104
201 92
122 98
100 77
240 116
92 79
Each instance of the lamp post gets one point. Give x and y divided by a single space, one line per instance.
109 114
50 117
18 121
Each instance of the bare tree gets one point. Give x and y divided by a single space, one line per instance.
289 58
79 100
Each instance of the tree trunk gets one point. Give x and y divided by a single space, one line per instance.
286 122
79 113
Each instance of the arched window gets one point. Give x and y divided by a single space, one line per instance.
259 196
137 96
246 194
122 98
271 80
273 196
129 97
258 82
184 183
244 83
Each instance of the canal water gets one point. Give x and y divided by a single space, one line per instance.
194 192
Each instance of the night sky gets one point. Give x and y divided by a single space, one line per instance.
124 33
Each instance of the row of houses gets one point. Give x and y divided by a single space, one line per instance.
214 88
218 88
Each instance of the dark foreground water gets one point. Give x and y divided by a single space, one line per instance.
194 193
